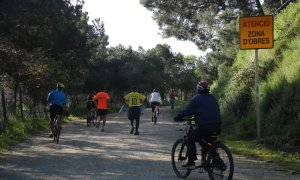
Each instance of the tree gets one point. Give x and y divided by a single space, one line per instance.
45 42
198 20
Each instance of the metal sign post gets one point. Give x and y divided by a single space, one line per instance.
257 95
256 33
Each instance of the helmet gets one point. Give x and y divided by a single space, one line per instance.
60 86
202 85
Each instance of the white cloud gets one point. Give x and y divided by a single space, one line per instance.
128 23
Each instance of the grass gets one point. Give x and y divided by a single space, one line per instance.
257 150
18 131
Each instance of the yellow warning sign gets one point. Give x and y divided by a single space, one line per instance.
256 32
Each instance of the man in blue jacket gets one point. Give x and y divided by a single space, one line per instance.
57 100
205 108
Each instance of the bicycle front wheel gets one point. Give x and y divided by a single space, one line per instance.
179 157
220 163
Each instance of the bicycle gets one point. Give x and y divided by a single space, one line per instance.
57 128
156 112
217 161
91 115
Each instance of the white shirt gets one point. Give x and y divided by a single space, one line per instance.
155 97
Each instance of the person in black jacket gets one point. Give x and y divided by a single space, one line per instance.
205 108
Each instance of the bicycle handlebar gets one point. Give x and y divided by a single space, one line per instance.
188 120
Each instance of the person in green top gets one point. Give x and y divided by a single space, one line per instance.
134 100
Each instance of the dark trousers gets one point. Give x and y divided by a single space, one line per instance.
196 135
134 113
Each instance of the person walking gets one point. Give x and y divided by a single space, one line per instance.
134 101
101 99
172 96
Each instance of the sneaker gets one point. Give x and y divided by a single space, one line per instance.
136 133
131 131
102 130
189 165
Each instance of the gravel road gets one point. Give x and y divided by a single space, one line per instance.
87 153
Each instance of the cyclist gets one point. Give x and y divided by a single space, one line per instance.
134 101
205 108
90 105
154 100
57 101
102 99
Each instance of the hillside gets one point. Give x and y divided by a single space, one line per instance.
279 74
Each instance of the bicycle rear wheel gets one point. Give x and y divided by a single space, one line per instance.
88 119
220 163
179 157
56 134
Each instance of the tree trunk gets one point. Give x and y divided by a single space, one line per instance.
4 110
21 103
14 108
34 112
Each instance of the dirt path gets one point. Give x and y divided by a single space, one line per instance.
87 153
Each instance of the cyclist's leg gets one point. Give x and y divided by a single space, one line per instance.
51 119
51 126
198 134
62 115
158 108
191 146
152 107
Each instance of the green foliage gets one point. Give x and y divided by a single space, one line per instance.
280 100
279 73
286 24
197 21
234 90
18 131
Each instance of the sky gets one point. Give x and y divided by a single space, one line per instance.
128 23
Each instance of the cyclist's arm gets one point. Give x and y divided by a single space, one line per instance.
49 97
189 110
